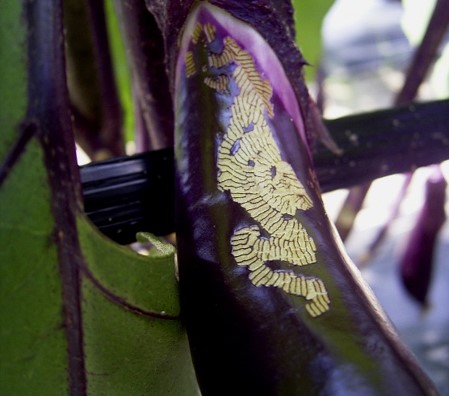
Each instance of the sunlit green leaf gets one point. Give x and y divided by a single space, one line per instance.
121 69
309 16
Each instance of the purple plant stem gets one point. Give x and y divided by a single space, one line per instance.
425 54
374 245
142 136
146 55
48 117
351 207
320 82
111 129
96 109
382 143
419 66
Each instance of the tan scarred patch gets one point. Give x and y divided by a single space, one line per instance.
252 171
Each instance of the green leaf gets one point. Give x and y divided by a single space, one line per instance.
129 349
146 283
79 314
34 348
12 73
309 15
126 352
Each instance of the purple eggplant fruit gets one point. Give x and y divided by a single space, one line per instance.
272 304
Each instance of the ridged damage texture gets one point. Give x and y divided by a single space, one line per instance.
251 169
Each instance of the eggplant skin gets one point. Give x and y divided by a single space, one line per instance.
271 303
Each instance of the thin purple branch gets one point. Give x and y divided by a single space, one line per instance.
147 60
426 53
111 128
